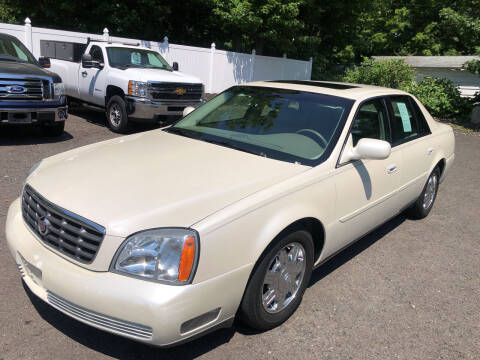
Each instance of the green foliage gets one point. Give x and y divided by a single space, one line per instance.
442 98
473 66
390 73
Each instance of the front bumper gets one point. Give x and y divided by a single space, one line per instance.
20 113
141 310
142 108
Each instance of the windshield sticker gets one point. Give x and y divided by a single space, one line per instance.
136 58
407 125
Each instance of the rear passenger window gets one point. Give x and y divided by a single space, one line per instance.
371 122
407 121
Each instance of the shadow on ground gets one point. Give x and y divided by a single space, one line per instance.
118 347
28 135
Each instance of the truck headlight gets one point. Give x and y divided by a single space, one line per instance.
168 255
138 88
58 90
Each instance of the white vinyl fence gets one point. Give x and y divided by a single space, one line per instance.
217 69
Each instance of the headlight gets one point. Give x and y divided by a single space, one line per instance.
168 255
58 90
138 88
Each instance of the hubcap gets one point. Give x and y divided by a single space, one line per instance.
430 191
283 278
115 114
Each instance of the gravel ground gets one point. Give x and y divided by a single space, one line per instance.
410 290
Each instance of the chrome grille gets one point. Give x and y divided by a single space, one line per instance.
66 232
175 91
99 320
22 89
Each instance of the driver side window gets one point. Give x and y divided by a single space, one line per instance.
371 122
96 53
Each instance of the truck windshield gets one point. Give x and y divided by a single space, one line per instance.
282 124
122 58
12 49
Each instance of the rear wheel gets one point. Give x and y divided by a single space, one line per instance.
56 129
278 283
117 118
421 208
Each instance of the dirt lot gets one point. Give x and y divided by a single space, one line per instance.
410 290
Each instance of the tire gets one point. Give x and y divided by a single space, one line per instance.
422 206
117 118
54 130
260 309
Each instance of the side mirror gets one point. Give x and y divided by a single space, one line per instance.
44 62
175 66
87 61
367 149
188 110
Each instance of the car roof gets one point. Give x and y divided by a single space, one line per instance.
340 89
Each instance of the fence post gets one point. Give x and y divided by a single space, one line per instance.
309 70
106 36
166 49
28 34
252 61
210 74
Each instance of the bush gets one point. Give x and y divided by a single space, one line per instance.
441 98
473 66
388 73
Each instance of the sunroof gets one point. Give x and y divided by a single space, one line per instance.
316 83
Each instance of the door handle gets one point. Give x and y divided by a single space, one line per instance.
84 73
391 169
430 151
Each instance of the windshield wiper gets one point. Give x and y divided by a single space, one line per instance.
231 146
182 132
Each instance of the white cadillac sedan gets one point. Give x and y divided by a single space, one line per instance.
164 235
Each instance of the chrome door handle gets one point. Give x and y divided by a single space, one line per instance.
430 151
391 169
84 73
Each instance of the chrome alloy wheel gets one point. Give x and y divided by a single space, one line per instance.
430 191
115 114
283 277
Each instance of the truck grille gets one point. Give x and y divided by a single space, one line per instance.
23 89
175 91
64 231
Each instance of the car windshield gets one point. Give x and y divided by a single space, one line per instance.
123 57
14 50
287 125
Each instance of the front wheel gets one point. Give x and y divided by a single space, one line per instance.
117 118
421 208
278 282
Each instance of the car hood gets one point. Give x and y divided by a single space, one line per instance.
25 69
153 179
160 75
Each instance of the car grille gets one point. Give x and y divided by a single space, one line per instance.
99 320
175 91
64 231
24 89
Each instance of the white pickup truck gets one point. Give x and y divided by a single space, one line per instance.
131 83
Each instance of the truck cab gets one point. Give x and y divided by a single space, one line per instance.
29 94
129 82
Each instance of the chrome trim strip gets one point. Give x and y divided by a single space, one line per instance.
99 320
65 213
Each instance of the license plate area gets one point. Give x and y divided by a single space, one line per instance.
20 117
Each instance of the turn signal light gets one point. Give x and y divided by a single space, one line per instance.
187 259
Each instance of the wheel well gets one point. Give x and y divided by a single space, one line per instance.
113 90
314 227
441 166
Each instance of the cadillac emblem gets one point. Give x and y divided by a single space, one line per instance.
180 91
43 225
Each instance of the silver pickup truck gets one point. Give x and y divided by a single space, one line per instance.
29 94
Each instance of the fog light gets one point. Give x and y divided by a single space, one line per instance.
62 114
199 321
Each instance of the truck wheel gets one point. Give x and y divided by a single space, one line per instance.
117 118
54 130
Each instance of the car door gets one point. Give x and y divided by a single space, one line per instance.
366 189
410 135
92 80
